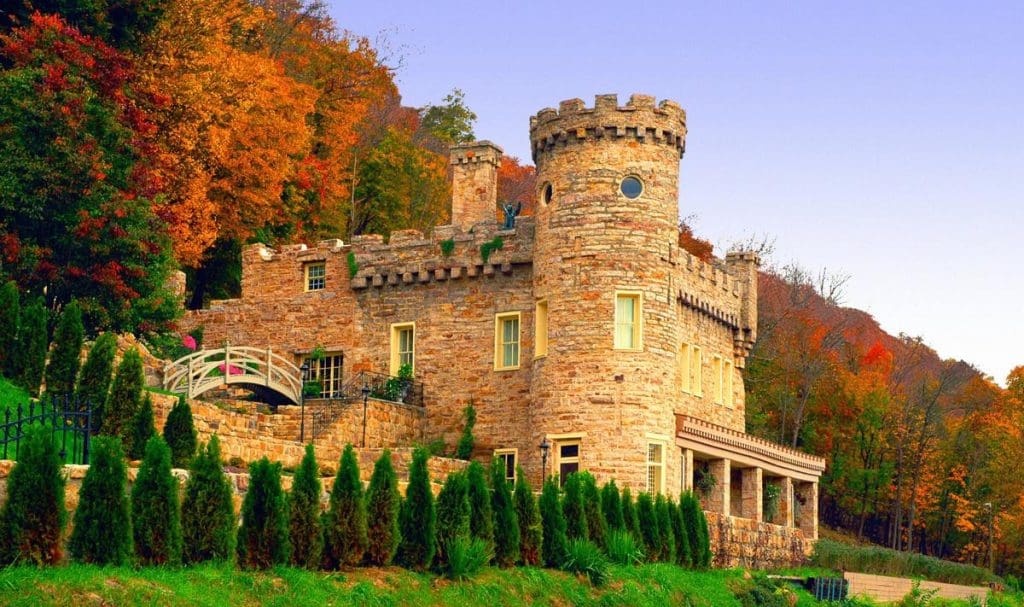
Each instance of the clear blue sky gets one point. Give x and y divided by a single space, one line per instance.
884 140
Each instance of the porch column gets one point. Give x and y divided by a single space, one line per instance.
807 493
785 515
686 463
753 494
718 497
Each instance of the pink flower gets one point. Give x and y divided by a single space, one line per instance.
234 370
189 342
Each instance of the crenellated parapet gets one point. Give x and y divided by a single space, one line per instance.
641 120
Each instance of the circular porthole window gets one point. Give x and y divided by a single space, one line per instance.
546 193
631 187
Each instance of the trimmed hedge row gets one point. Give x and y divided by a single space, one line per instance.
829 554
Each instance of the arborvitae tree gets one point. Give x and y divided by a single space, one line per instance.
305 531
263 536
481 519
572 506
682 540
629 518
611 506
207 512
464 450
452 514
10 310
648 521
345 521
596 525
32 518
553 541
528 515
94 381
156 521
666 540
33 341
506 526
416 518
103 528
124 398
382 504
62 370
696 529
142 429
180 434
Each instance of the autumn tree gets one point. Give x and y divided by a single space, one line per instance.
517 183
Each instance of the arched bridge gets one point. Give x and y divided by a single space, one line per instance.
207 369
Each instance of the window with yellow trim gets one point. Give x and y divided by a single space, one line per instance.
728 372
540 329
655 468
716 378
696 372
567 458
507 460
403 346
327 370
506 341
628 332
684 368
315 275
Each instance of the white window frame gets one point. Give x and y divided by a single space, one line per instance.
306 267
500 454
396 355
661 465
500 364
637 321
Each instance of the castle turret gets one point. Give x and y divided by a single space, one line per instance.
474 182
606 225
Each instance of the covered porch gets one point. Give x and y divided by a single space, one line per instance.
732 472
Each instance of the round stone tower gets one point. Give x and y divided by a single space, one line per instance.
606 237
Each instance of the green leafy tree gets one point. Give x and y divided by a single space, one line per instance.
33 341
345 528
62 370
452 121
528 515
611 506
103 527
180 433
481 520
263 536
648 521
464 450
81 168
207 512
506 526
156 520
572 506
596 525
629 518
554 544
32 519
10 311
452 515
305 530
142 429
416 517
125 396
666 539
98 370
682 540
382 505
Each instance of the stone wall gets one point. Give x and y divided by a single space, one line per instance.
738 542
885 589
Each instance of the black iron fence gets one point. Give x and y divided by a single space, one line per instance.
67 417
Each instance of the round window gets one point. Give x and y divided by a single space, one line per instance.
631 187
547 193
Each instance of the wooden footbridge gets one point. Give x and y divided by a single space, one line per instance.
207 369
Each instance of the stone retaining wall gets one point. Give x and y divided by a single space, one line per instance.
885 589
740 542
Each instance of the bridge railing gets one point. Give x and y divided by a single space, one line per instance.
206 369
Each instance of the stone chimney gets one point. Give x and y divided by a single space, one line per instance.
474 182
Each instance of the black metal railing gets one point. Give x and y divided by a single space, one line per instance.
67 417
364 384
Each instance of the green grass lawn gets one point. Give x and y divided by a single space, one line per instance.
10 396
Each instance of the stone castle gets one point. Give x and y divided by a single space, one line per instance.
584 337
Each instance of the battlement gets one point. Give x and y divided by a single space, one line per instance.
483 151
641 119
